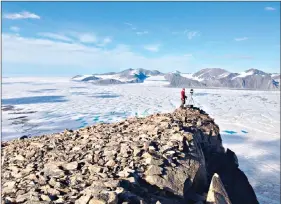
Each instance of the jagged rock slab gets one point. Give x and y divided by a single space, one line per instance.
217 193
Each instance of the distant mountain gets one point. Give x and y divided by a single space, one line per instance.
123 77
276 77
220 78
255 72
107 81
108 73
84 78
77 76
176 80
211 74
208 78
90 78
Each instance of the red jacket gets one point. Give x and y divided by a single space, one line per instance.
183 94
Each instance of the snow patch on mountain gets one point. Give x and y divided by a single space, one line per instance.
190 76
211 74
126 76
250 72
243 74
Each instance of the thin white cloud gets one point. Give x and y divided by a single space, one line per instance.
55 36
88 38
129 24
152 48
43 52
134 28
15 29
241 39
268 8
105 41
142 32
21 15
191 34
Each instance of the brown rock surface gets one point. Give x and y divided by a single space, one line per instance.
157 159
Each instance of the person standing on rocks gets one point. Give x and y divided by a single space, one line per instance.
183 97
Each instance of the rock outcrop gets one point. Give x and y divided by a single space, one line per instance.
217 193
164 158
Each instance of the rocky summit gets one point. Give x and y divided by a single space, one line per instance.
164 158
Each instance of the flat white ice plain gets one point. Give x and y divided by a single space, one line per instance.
249 121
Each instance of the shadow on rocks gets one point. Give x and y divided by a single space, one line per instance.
234 180
195 191
142 192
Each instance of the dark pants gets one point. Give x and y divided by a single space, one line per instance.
182 102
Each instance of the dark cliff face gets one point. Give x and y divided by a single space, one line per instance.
166 158
214 159
235 182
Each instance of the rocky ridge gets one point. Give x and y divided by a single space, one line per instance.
252 79
164 158
220 78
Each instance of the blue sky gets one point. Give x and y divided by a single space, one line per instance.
68 38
